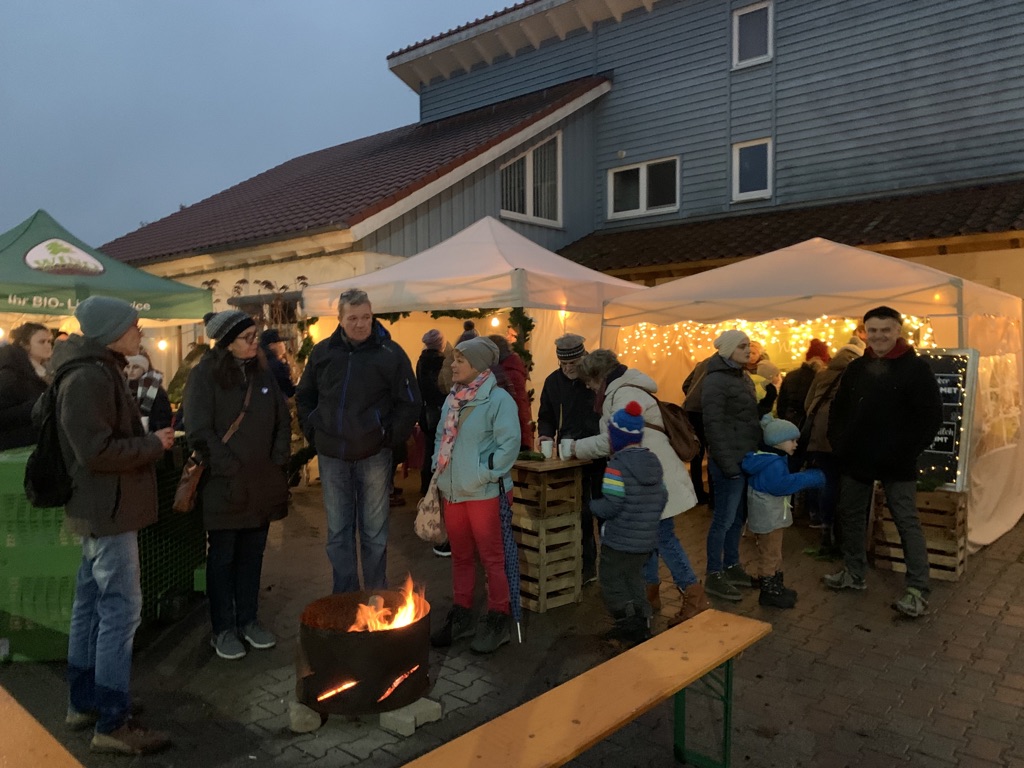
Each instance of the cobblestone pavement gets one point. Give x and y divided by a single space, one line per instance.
841 681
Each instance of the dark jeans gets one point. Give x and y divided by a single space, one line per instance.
697 463
727 520
821 502
622 582
854 508
429 435
593 476
234 563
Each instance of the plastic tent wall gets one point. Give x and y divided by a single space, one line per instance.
819 277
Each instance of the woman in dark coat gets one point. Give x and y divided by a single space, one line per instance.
244 485
22 381
516 375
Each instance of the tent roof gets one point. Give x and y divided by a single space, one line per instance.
807 280
47 271
485 265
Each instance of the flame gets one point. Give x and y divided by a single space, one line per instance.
374 618
398 681
336 691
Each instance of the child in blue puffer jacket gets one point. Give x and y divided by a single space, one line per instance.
634 496
769 508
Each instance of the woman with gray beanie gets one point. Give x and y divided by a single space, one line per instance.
733 428
476 444
239 422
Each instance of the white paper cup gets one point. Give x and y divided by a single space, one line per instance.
565 449
547 448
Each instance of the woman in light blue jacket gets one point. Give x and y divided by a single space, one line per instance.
477 442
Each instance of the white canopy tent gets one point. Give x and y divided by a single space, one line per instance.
486 265
819 277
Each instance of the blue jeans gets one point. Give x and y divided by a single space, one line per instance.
234 563
672 552
357 490
106 612
727 520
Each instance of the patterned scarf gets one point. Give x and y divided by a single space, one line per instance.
457 399
146 389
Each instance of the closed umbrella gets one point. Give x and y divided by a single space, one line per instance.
511 559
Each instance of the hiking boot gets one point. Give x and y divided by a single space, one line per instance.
717 585
79 721
492 632
843 580
654 596
774 595
458 625
131 739
782 582
694 601
444 549
227 645
257 636
912 603
736 576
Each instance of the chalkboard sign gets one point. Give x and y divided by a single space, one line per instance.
944 463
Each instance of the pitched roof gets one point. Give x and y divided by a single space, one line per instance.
892 219
335 188
463 27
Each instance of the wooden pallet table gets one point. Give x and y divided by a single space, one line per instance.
943 516
547 498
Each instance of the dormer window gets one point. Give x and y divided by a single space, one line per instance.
531 185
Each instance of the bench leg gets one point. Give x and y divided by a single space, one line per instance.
716 685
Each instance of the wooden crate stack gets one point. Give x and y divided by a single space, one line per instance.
546 525
943 516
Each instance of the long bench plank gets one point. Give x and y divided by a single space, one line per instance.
569 719
24 742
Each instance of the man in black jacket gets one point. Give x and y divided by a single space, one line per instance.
357 402
885 414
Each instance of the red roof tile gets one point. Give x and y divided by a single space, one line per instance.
338 187
892 219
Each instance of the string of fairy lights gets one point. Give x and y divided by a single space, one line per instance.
784 339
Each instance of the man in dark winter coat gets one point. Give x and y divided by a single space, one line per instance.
357 401
567 412
885 413
110 458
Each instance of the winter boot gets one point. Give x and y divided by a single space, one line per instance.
785 590
492 632
772 594
457 625
654 596
694 602
738 577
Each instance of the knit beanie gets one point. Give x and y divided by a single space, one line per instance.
104 319
778 430
469 332
569 347
479 352
433 339
224 327
140 360
626 426
726 343
819 349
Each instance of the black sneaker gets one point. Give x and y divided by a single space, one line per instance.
443 549
458 624
491 633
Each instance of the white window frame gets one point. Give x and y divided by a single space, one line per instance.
528 154
759 194
643 210
736 15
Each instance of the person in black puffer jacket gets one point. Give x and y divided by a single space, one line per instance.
22 381
428 369
633 498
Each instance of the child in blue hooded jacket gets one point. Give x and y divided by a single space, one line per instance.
769 506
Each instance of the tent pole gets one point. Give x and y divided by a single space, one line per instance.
961 334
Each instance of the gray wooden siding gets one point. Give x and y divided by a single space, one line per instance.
861 97
479 195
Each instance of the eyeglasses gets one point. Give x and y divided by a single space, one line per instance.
248 338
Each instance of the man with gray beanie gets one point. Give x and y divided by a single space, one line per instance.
110 458
567 411
358 402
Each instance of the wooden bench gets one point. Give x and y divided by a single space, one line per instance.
557 726
23 741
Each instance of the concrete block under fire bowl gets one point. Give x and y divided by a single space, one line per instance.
341 670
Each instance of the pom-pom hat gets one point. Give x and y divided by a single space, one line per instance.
778 430
626 426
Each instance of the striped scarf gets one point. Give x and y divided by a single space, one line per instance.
457 399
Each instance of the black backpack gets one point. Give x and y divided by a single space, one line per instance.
47 482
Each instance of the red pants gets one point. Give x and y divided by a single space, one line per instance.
474 526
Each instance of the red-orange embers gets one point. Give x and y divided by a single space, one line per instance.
375 618
336 691
398 681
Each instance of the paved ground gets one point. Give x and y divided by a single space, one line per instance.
840 682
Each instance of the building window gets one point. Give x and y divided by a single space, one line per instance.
531 184
644 189
752 170
752 35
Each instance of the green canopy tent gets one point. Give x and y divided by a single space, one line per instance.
45 270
